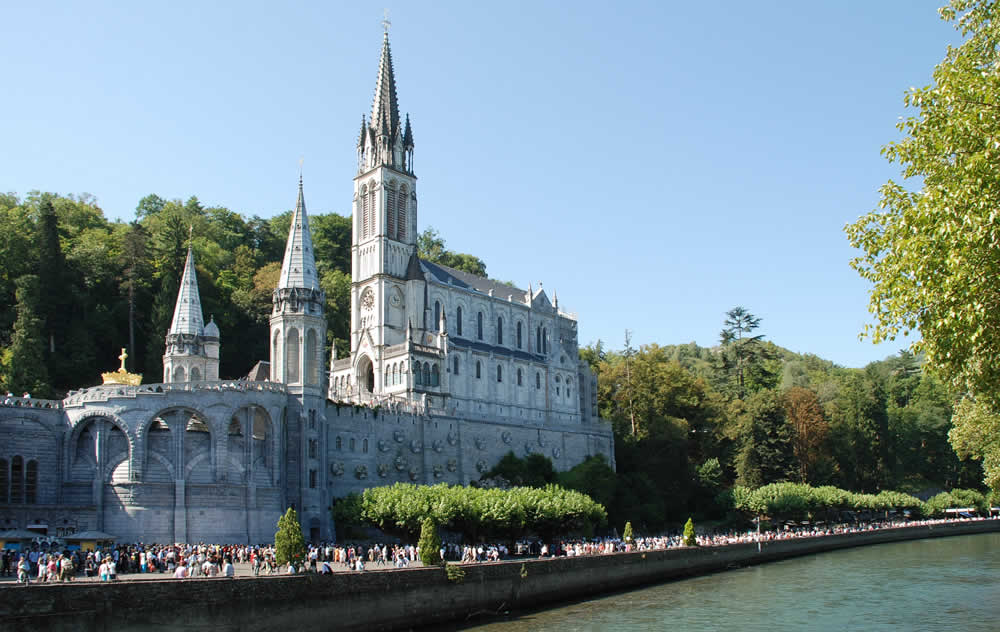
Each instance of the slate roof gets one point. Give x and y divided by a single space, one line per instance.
458 278
261 372
298 268
188 317
478 345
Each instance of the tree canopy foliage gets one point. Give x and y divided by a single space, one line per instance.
932 251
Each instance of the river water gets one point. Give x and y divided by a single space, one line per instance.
948 583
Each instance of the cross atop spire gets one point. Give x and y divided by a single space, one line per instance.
385 21
298 268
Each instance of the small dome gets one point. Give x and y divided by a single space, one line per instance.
211 329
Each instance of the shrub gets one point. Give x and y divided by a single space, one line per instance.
627 533
429 544
689 539
289 543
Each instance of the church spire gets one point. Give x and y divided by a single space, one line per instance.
298 268
188 318
385 109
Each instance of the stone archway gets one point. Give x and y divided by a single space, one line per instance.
365 376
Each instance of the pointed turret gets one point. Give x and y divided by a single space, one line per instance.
364 132
192 350
188 318
407 135
297 322
298 268
385 109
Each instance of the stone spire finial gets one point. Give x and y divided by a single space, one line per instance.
188 317
385 108
298 268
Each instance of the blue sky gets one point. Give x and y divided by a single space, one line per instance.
655 163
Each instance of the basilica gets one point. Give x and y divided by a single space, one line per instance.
447 372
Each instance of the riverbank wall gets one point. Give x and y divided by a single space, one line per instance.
395 599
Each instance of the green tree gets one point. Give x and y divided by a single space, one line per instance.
739 346
289 543
26 370
689 537
931 251
627 532
766 451
429 543
431 247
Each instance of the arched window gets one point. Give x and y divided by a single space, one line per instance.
195 374
179 374
455 365
275 357
373 208
437 313
401 214
388 376
340 443
4 482
390 211
364 446
312 365
352 444
538 339
427 374
479 369
292 357
16 480
479 325
395 374
499 330
545 340
518 334
363 228
519 377
31 482
435 376
458 320
417 375
538 380
499 373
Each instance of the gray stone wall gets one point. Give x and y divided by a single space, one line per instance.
217 465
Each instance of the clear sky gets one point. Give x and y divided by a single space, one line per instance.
654 163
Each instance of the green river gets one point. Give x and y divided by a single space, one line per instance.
938 584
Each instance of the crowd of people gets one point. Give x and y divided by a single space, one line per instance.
204 560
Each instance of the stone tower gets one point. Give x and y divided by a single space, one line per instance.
384 266
192 349
298 327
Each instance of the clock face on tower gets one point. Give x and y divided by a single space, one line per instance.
368 300
394 300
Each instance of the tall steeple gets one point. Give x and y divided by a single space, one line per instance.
188 317
190 354
384 141
298 268
298 328
385 108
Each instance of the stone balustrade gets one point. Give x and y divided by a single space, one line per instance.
113 391
31 402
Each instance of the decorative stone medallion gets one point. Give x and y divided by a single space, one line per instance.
383 470
361 472
337 469
482 467
399 436
437 445
452 465
452 437
506 437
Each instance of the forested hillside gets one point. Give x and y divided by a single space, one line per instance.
691 421
75 287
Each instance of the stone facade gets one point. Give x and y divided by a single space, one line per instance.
196 458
